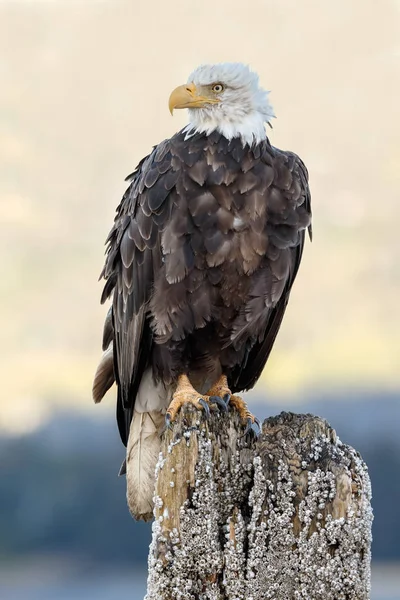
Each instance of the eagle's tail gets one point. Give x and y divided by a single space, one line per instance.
142 455
104 377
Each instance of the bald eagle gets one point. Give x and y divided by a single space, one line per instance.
204 250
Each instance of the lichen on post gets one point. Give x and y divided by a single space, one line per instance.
284 517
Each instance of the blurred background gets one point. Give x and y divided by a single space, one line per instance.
84 87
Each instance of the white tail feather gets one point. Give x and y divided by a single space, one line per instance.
141 458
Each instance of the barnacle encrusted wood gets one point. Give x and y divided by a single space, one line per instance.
286 517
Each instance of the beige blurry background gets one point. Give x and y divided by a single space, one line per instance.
83 97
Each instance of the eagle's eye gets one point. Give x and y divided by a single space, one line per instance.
217 88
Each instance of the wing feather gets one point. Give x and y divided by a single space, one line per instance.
288 217
133 257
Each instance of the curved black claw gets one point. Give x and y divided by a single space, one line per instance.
122 470
205 406
168 422
220 402
226 398
256 427
253 426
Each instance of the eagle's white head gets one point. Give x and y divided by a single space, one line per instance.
225 97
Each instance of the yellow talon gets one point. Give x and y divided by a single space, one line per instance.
221 389
184 394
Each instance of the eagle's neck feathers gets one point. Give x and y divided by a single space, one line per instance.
250 128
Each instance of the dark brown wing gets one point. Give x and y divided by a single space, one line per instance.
288 217
133 259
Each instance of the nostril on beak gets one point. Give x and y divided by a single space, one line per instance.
188 90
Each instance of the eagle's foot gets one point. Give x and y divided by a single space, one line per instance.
184 394
253 425
221 391
185 397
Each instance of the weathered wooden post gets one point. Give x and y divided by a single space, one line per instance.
284 517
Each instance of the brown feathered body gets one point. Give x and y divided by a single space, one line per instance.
201 259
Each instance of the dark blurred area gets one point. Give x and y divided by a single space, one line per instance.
60 494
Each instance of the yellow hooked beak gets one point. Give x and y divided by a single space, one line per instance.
185 96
